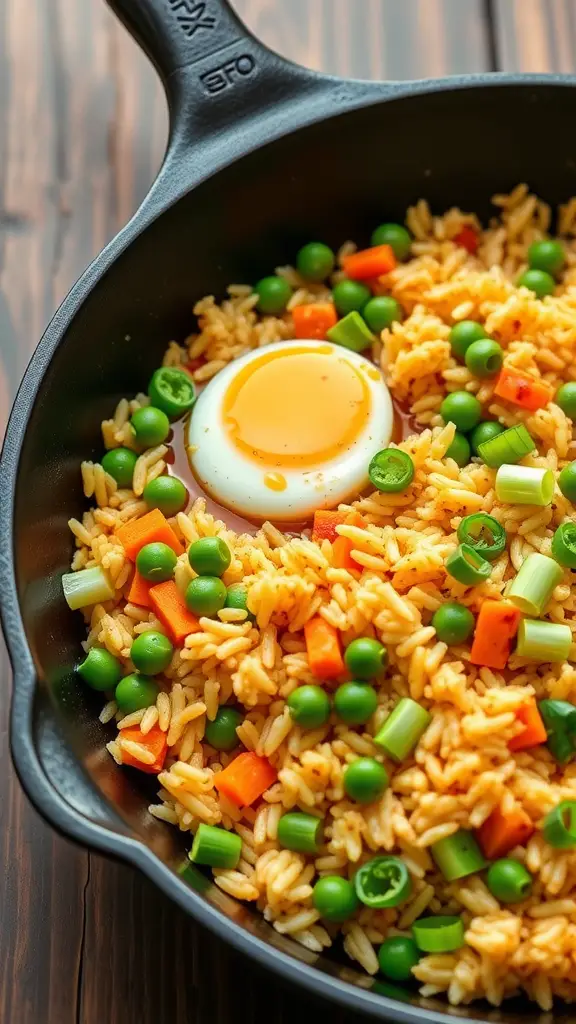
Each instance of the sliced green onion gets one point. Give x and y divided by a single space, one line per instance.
543 641
87 586
216 847
559 717
532 587
438 934
524 485
402 729
483 533
300 832
564 545
458 855
351 332
383 882
559 828
468 566
391 470
508 447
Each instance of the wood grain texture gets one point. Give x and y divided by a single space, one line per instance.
536 35
83 125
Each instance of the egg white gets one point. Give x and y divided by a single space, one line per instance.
237 482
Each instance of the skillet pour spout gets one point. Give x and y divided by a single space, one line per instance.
262 156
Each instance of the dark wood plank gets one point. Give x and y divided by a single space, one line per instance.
536 35
83 126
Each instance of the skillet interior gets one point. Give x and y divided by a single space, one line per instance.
332 181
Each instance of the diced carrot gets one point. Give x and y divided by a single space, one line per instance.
467 238
534 732
245 779
496 627
324 528
314 319
171 609
342 554
500 833
323 647
139 592
368 263
522 389
154 741
149 529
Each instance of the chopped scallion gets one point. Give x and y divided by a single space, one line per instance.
559 827
87 586
438 934
543 641
300 832
559 717
216 847
532 587
402 729
564 545
508 447
351 332
524 485
458 855
467 566
483 533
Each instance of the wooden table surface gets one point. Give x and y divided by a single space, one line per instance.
83 124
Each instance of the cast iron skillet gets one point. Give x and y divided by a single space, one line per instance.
262 157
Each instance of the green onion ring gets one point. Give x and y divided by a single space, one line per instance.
483 533
383 882
467 566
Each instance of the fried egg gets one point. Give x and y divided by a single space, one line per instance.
288 429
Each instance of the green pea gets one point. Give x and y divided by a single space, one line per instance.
221 733
273 295
365 780
464 334
485 431
394 235
237 597
509 881
349 296
156 562
547 255
566 399
453 623
119 463
151 426
166 493
309 706
335 898
209 556
100 669
397 956
205 595
151 652
355 703
315 261
567 482
484 358
366 658
459 450
537 281
462 409
135 692
381 312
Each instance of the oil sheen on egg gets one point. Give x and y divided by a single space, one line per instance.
288 429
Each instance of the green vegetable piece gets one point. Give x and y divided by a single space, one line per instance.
397 956
334 898
543 641
273 293
315 261
172 390
566 398
221 733
391 470
459 450
366 658
151 652
205 595
508 446
537 281
309 706
548 255
564 545
509 881
532 587
485 431
351 332
559 717
394 235
458 855
484 358
483 533
87 586
135 692
453 623
166 493
567 481
383 882
524 485
349 296
151 426
119 463
100 669
215 847
209 556
156 562
355 703
365 780
301 833
438 934
559 827
381 312
464 334
402 729
462 409
237 597
468 566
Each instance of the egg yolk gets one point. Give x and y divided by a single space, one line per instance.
298 408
